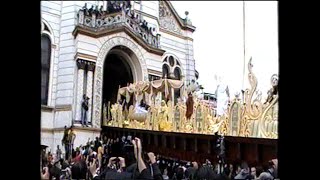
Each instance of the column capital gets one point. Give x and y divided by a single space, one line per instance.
81 64
91 65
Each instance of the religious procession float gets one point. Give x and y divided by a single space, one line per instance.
154 107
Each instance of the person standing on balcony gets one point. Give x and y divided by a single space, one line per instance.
91 10
58 153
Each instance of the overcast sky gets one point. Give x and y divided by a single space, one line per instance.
218 41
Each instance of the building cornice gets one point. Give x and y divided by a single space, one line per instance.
75 128
47 108
175 34
63 107
154 72
85 57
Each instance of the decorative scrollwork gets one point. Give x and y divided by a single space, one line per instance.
267 119
269 115
254 108
245 127
224 128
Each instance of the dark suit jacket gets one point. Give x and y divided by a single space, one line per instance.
156 171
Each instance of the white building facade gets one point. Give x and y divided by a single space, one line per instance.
76 46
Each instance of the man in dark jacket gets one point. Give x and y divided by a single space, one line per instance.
153 167
97 144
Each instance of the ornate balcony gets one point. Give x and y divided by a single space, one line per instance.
116 20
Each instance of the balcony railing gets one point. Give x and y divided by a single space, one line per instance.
114 20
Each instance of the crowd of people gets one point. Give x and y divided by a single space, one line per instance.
112 7
118 6
125 158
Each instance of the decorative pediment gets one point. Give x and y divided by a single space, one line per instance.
167 19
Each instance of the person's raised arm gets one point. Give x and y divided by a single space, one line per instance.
122 163
144 174
138 152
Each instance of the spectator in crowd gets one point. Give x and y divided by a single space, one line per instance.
58 152
65 143
91 10
253 173
97 144
153 166
244 171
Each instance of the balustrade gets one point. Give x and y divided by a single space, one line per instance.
114 20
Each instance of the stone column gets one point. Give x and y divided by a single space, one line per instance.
81 66
91 67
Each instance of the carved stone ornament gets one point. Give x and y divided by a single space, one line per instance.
167 19
81 64
91 66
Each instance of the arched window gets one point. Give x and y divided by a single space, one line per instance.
177 73
165 71
45 67
171 61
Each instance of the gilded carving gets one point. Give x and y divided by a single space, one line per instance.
254 108
235 118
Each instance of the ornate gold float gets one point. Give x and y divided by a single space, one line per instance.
248 118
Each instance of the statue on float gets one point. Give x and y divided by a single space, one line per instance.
274 89
223 96
164 124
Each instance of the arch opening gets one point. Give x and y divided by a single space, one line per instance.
130 52
119 71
